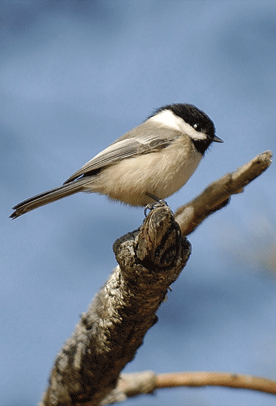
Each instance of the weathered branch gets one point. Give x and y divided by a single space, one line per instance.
143 383
109 334
218 193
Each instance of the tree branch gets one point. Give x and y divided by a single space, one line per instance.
109 334
217 194
150 260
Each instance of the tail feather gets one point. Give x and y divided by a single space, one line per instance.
48 197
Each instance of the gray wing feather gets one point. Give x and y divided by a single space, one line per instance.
141 140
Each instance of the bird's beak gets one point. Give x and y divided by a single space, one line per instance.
217 139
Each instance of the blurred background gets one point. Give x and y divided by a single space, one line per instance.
75 76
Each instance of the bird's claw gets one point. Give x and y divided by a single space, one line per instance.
157 202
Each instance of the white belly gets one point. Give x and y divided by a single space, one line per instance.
160 173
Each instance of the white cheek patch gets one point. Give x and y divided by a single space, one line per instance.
168 119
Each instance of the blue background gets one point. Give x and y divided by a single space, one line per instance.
74 77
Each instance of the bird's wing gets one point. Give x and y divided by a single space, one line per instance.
130 144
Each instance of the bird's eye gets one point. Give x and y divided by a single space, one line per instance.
197 127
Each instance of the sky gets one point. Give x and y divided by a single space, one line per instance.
74 76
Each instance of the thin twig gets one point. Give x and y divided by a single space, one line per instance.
146 382
226 379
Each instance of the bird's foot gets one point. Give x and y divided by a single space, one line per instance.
157 203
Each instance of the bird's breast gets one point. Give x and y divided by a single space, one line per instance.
160 173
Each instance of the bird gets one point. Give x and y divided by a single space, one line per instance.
150 162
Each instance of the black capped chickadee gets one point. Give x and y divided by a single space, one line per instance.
154 159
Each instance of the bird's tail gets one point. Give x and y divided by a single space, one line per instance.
48 197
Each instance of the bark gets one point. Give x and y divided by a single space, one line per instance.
109 334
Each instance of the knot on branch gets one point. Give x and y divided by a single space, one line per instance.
160 243
157 246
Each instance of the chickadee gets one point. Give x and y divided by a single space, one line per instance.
154 159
